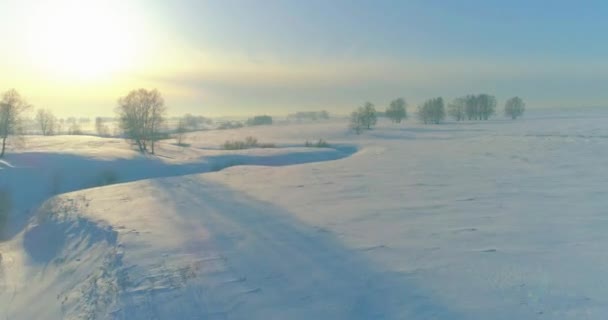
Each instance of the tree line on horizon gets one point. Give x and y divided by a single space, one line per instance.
142 113
433 111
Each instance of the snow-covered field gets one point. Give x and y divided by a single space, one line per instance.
494 220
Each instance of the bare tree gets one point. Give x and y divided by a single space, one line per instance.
101 128
357 122
180 131
364 118
141 114
487 106
47 122
12 107
369 115
457 109
515 107
471 107
396 110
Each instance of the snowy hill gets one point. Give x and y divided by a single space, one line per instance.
496 220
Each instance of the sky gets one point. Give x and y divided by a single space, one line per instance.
232 57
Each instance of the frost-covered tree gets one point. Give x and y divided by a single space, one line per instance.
487 106
101 128
457 109
47 122
141 114
364 118
515 107
432 111
479 107
471 108
356 122
396 110
369 114
12 107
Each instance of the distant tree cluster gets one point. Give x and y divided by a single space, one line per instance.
141 114
192 122
515 107
309 115
230 125
259 120
12 108
432 111
482 107
397 110
364 118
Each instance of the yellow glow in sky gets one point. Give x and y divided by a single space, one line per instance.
80 40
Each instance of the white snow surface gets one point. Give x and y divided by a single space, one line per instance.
474 220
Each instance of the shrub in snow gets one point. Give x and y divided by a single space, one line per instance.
432 111
319 144
396 110
234 145
249 142
515 107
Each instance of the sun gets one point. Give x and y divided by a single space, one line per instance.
81 39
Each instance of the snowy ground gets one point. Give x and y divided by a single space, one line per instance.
496 220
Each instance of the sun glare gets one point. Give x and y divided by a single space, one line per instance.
81 39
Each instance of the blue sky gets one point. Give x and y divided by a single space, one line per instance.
242 57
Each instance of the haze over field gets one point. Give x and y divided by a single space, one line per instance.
303 159
233 57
